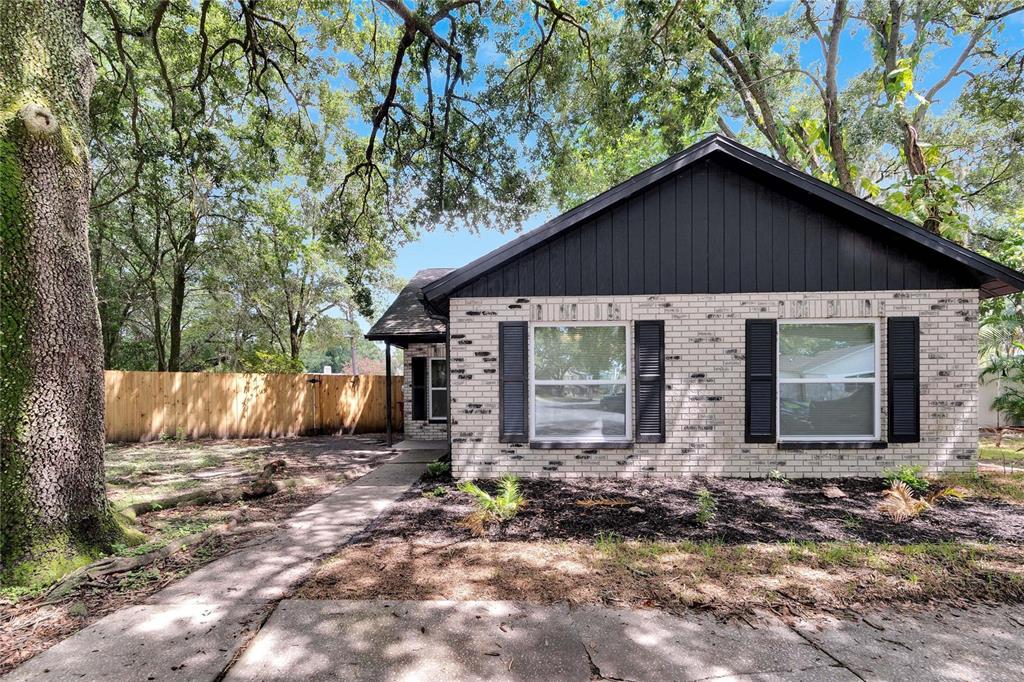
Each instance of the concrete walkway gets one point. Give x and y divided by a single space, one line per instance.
377 640
194 629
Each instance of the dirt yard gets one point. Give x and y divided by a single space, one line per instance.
144 472
780 546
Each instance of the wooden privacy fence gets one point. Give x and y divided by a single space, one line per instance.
150 405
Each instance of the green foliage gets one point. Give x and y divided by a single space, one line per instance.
435 492
654 77
270 362
438 469
910 475
707 507
496 508
608 543
1010 402
217 238
777 476
504 505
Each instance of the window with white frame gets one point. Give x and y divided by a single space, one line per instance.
580 382
438 391
828 380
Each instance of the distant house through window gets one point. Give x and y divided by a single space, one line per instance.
438 393
580 383
828 381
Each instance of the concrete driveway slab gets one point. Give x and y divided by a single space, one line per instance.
393 641
646 645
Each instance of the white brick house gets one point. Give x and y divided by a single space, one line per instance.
718 314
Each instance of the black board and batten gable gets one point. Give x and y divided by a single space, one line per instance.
721 218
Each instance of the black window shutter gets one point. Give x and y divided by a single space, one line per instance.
649 341
904 373
419 388
512 381
760 381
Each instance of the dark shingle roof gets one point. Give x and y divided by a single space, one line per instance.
406 319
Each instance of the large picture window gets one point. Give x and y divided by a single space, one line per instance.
580 383
828 381
438 393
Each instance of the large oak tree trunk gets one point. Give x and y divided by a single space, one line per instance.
52 491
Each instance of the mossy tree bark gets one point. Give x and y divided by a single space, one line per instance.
52 491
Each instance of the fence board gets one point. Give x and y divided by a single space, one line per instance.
151 405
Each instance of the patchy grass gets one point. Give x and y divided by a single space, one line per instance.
141 472
1008 487
1001 455
1010 451
798 577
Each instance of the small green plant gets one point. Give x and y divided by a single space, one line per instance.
776 476
608 543
438 469
910 475
497 508
707 507
851 522
439 491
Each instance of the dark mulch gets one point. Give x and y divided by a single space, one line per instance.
748 511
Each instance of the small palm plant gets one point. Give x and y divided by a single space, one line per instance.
899 504
497 508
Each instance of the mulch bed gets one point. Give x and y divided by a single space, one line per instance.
748 511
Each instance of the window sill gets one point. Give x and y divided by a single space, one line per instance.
833 445
577 445
438 421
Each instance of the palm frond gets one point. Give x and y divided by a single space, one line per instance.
899 504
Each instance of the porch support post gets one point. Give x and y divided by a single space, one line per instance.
387 391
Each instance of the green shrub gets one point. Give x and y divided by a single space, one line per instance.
707 507
438 469
439 491
497 508
911 475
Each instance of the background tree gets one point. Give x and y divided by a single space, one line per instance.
927 138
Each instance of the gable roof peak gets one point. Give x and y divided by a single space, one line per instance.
996 279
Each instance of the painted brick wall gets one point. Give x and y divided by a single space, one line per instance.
705 385
420 429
